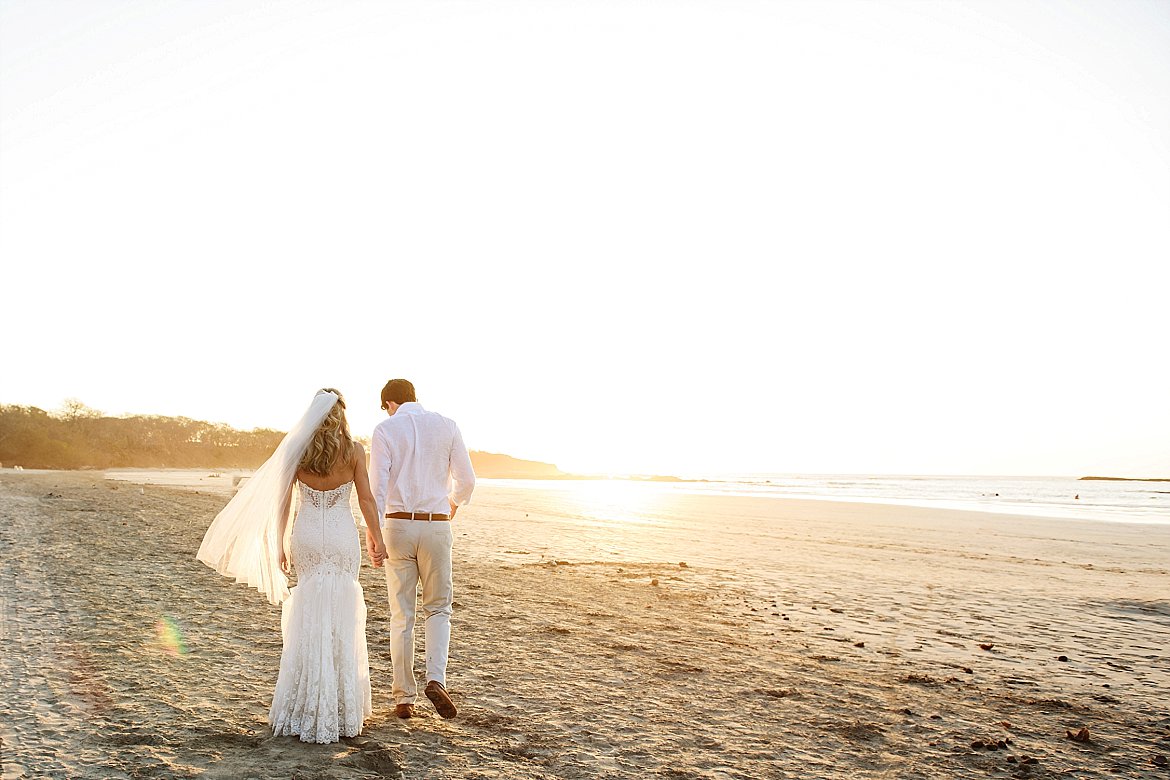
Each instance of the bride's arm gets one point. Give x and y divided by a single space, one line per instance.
374 543
285 504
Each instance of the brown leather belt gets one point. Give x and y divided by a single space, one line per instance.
416 516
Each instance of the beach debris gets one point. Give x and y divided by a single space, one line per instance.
1160 760
860 731
1062 658
920 679
777 693
967 669
654 581
1079 736
986 646
838 611
991 744
682 564
859 644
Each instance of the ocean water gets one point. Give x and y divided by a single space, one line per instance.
1123 501
1060 497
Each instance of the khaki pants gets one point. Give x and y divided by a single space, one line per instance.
418 550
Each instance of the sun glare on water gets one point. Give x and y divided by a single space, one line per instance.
622 500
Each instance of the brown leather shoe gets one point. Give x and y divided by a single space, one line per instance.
404 711
441 699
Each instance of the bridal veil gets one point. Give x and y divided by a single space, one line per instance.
242 541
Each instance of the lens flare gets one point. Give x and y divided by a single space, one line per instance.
170 636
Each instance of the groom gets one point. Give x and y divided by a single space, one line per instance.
415 457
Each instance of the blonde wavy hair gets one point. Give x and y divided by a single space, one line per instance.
331 442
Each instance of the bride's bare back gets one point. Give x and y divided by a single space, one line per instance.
345 469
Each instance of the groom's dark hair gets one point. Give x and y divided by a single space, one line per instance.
399 391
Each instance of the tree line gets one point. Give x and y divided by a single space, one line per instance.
78 437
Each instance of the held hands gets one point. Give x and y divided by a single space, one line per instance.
376 549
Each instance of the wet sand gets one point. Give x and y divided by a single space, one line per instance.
857 655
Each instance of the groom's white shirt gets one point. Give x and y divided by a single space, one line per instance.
418 462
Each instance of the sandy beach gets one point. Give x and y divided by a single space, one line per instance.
690 637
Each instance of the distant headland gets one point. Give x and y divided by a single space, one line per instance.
78 437
1126 479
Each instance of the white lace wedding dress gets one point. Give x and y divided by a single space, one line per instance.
323 690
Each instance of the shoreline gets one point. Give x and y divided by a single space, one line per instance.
212 478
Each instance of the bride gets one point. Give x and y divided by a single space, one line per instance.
323 689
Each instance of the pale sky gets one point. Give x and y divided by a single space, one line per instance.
662 237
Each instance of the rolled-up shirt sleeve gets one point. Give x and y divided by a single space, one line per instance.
462 475
380 469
